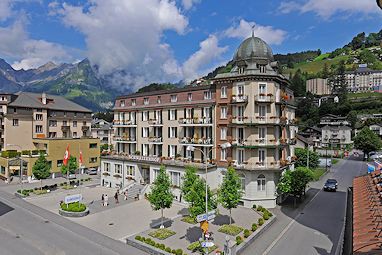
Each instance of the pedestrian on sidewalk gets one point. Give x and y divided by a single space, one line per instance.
116 197
125 193
106 199
103 200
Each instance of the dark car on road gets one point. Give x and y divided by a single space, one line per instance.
331 185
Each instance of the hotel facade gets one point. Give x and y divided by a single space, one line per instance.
244 119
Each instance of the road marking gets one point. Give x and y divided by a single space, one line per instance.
270 247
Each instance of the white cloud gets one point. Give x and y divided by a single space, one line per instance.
187 4
269 34
208 52
127 35
5 9
327 8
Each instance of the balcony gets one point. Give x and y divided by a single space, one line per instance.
257 120
275 165
155 140
204 121
124 139
262 143
265 98
155 122
85 128
124 123
65 128
204 142
239 99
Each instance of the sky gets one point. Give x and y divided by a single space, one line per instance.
142 41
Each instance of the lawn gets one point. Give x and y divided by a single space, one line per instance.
317 173
315 66
162 233
335 161
232 230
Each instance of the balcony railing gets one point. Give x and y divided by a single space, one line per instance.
155 140
262 142
256 166
265 98
195 121
125 139
155 122
196 141
255 120
239 99
124 123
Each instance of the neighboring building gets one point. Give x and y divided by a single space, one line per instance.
363 79
310 135
336 132
245 118
318 87
377 128
34 122
103 130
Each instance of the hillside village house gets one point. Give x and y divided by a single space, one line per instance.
244 118
34 123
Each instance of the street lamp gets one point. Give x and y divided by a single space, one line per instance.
21 164
192 148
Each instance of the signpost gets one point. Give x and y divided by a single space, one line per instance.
73 198
203 217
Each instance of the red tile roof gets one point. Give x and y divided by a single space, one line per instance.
367 214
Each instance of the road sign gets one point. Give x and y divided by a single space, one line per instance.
207 244
73 198
203 217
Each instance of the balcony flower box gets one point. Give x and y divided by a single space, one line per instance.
294 158
117 176
105 174
262 94
270 94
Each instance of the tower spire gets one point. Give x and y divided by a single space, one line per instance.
253 30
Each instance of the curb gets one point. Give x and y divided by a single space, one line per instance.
145 247
74 214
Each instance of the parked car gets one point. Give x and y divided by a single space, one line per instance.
92 171
72 176
331 185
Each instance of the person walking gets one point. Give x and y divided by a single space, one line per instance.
106 199
125 193
103 200
116 197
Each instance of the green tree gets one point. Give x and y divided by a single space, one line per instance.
302 158
325 71
188 180
161 196
298 84
367 141
41 169
71 166
230 191
337 81
196 198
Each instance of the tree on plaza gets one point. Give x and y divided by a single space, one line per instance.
230 191
160 196
196 197
41 169
302 158
367 141
71 166
188 180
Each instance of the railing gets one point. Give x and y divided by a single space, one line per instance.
265 98
239 99
197 121
258 165
155 140
123 122
154 122
124 139
255 120
200 141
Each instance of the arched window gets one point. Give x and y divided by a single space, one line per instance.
261 182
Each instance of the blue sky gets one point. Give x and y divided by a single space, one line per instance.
160 40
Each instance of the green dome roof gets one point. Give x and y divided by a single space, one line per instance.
253 47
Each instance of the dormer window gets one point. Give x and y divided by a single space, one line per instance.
241 70
133 102
189 97
207 94
146 101
262 69
159 100
174 98
122 103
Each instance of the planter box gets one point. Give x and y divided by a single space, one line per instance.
73 214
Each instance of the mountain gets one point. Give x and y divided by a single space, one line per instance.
78 82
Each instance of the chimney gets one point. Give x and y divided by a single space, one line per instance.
43 98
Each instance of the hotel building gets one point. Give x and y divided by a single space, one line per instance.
244 118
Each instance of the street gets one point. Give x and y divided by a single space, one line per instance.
28 229
316 227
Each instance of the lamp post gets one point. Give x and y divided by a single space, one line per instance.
21 164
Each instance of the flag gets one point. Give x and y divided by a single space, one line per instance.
66 156
80 159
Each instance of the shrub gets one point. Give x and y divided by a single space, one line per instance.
266 216
259 208
239 240
143 239
247 233
40 192
162 233
139 238
162 246
254 227
168 249
232 230
260 221
254 206
19 191
179 252
173 251
73 207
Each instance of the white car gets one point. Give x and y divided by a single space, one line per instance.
72 176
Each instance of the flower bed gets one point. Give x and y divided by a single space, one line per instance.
162 233
189 219
73 207
197 247
232 230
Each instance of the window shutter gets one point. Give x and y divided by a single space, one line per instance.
141 149
168 112
184 152
176 150
176 114
192 113
142 131
184 132
142 116
176 132
168 132
168 150
185 116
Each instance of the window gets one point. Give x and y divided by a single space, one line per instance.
59 162
74 134
92 145
173 114
156 173
74 123
240 157
262 89
262 69
159 100
223 154
64 114
145 132
15 122
75 114
38 116
130 170
223 112
146 101
38 128
189 97
189 113
53 123
175 178
133 102
122 103
118 168
262 135
14 110
174 98
145 149
223 133
93 160
223 92
262 111
172 151
84 123
145 116
240 90
240 111
262 157
261 183
207 94
242 181
52 134
173 132
64 123
106 167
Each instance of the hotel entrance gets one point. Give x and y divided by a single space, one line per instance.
145 172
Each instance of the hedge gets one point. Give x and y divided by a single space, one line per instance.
151 242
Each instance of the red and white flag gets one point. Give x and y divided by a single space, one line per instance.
66 156
80 159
